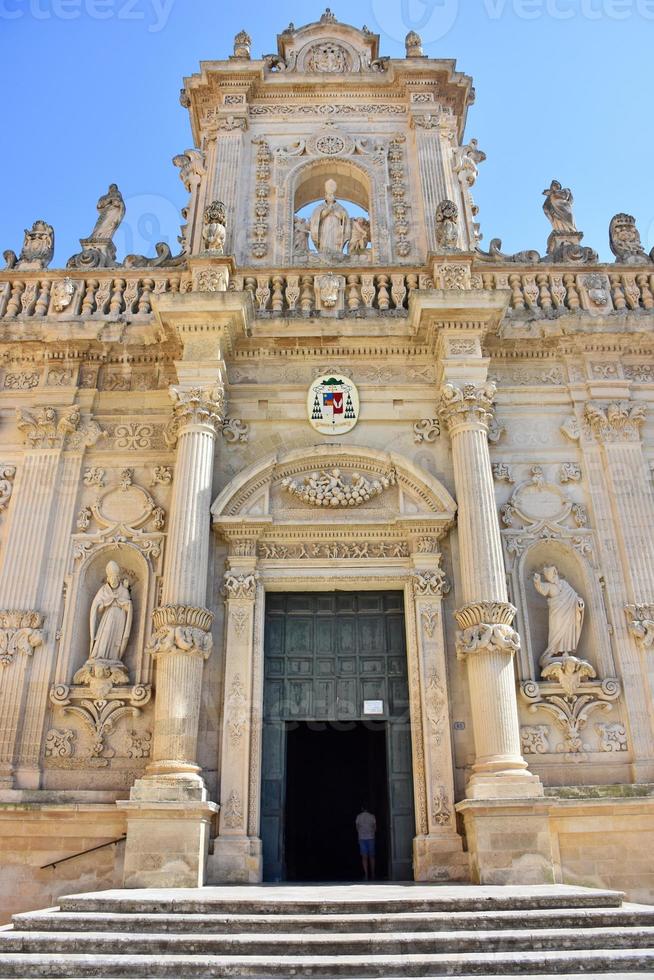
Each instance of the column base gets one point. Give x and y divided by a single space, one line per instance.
508 843
516 785
235 860
440 857
182 788
167 843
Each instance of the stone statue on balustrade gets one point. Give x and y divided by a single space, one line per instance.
331 225
301 232
360 236
98 250
624 239
564 242
566 615
447 227
214 231
110 624
37 250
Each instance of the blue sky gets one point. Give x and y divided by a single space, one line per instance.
91 97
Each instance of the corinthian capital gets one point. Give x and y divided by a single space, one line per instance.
462 404
615 422
195 406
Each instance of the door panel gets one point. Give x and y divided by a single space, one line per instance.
325 654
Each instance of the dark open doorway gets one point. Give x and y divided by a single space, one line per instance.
332 769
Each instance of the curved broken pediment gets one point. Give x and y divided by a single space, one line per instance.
331 484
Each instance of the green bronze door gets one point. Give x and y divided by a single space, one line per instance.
328 657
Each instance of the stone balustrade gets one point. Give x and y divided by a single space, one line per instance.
535 290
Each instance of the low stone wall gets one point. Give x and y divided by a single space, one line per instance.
32 835
605 843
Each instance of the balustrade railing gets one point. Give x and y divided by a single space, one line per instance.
120 294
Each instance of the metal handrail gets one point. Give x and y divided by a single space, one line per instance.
89 850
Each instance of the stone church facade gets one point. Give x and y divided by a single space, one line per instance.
333 462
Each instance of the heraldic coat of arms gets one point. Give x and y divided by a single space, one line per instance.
333 405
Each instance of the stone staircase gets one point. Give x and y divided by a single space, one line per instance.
352 931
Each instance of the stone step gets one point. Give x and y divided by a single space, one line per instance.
344 900
334 944
380 922
489 964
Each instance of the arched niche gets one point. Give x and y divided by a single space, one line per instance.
82 587
594 645
360 179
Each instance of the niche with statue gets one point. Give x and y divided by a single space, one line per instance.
103 671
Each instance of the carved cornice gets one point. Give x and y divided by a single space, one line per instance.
462 405
54 428
640 619
618 421
182 630
195 406
20 632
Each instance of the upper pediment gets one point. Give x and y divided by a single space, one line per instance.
327 47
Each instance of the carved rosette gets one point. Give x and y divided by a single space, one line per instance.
485 627
195 407
615 422
467 405
640 620
240 586
20 633
183 630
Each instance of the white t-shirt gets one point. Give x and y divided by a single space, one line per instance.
366 826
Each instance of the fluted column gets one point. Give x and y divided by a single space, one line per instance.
486 639
182 625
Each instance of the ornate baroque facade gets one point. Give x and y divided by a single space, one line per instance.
332 385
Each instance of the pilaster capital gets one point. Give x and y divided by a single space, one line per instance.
429 582
242 586
182 630
51 427
21 632
467 404
618 421
195 406
640 620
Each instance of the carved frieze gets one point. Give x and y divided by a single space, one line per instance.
307 550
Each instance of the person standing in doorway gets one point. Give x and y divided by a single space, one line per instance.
366 825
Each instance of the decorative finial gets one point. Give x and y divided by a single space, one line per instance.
328 17
413 44
242 45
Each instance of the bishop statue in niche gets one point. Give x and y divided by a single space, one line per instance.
332 229
110 624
